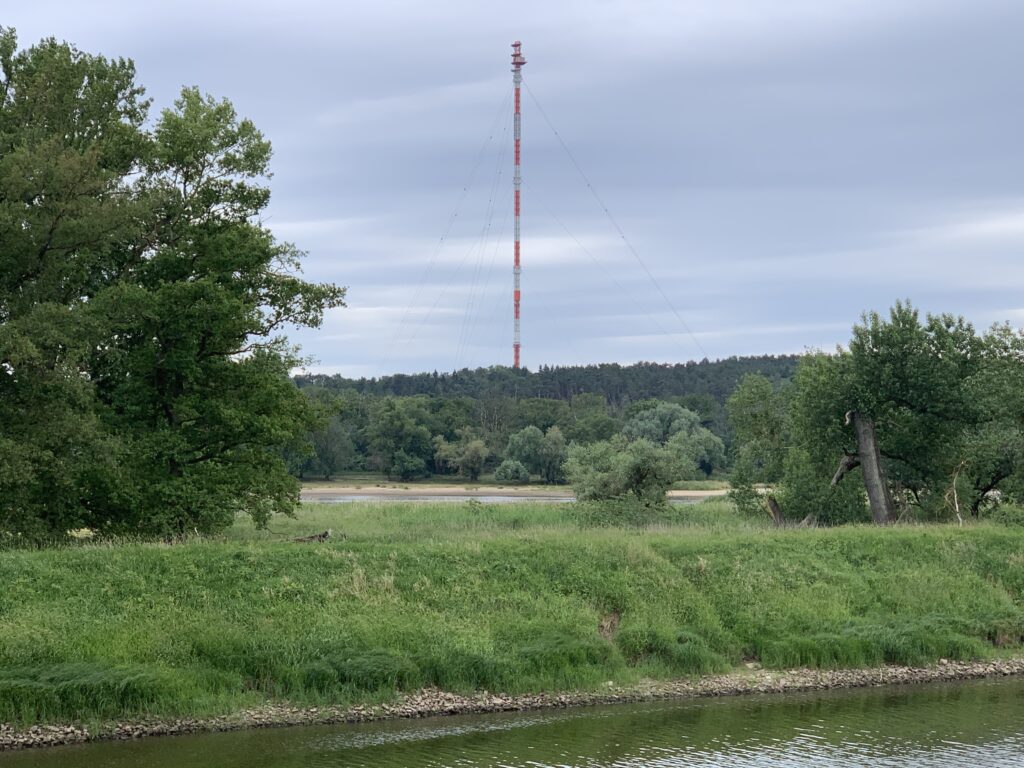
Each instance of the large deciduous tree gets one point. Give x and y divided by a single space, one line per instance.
399 444
758 413
924 416
680 431
542 453
144 384
905 405
619 469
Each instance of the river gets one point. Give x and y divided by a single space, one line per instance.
484 498
978 724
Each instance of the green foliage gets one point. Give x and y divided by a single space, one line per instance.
743 491
615 469
525 446
585 405
399 446
679 651
946 407
376 669
144 386
552 456
542 453
512 472
467 456
405 466
554 651
758 415
607 383
661 444
471 462
680 431
70 132
334 448
658 421
913 644
909 376
1009 514
618 511
331 447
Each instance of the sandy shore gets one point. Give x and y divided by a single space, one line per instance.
431 702
315 492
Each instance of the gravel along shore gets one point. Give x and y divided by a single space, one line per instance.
432 702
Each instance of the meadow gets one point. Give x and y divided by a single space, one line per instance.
467 596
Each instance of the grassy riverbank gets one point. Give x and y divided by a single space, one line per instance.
513 598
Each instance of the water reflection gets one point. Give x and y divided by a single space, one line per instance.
978 724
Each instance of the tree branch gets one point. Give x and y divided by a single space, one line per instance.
849 462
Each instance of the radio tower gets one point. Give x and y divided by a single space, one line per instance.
517 78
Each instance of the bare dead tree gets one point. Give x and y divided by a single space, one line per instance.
951 494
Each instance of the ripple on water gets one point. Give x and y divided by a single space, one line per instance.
977 724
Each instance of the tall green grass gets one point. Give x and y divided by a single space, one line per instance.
463 596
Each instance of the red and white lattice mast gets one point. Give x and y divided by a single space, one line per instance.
517 78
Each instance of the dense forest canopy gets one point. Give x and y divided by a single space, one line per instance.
618 384
471 421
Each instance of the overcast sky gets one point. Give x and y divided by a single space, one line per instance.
777 167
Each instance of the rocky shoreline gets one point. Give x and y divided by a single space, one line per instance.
432 702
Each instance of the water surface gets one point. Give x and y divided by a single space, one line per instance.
978 724
345 498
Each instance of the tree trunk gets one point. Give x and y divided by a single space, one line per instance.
879 497
849 462
775 511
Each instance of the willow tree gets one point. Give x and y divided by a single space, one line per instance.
919 415
896 406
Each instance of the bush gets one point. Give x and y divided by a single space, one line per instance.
1008 514
408 467
624 510
616 468
806 489
513 472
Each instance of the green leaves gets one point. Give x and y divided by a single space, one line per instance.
207 159
617 468
541 453
945 401
144 376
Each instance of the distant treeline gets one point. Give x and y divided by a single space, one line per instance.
473 421
619 384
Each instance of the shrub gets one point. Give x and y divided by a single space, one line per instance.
1008 514
512 471
624 510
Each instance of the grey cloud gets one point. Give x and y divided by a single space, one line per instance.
751 151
